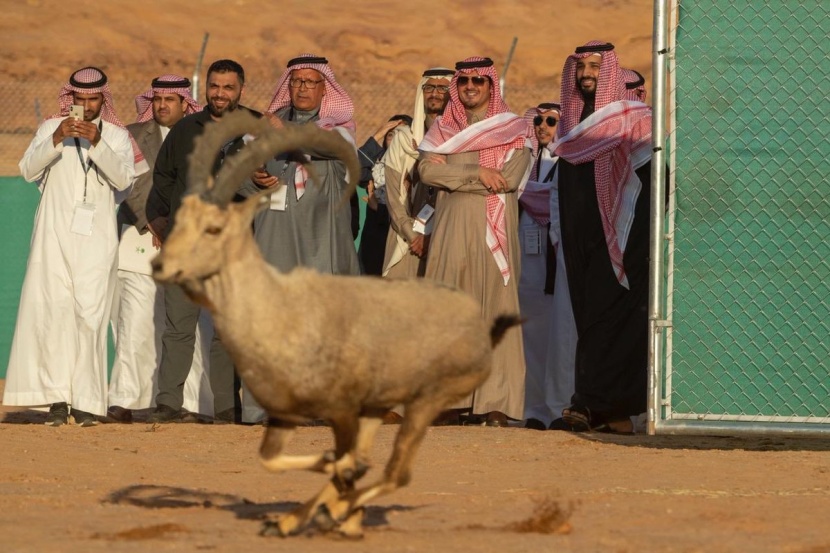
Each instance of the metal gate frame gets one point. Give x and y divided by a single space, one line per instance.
661 417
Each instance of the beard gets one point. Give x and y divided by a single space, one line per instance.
586 92
218 112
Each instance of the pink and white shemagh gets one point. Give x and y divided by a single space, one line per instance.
165 84
493 138
91 80
336 110
617 137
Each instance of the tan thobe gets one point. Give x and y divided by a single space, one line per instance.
401 217
459 256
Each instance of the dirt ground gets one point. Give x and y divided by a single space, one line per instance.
199 487
196 487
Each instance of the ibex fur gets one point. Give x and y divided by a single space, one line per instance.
313 346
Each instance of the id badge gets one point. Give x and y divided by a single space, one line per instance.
278 199
82 219
533 241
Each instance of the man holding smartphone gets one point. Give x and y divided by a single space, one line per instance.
59 352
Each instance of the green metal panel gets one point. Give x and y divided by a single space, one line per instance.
751 298
17 215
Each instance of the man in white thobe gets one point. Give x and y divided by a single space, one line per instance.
59 351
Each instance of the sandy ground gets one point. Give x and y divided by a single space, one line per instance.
198 487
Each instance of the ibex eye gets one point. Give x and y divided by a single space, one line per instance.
213 230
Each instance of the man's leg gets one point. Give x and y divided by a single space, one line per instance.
225 400
177 347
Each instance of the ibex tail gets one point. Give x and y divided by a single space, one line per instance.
500 326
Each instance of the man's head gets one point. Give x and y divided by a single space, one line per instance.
167 101
403 120
225 82
307 87
592 77
545 121
87 87
307 84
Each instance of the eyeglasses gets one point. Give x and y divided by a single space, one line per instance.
477 81
299 83
550 120
430 88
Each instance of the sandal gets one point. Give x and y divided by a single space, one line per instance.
619 426
578 417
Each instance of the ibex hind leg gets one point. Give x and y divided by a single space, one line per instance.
352 527
272 458
346 511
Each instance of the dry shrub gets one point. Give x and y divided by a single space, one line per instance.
547 518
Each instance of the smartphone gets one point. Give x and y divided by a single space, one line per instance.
76 112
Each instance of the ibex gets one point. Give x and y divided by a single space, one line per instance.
313 346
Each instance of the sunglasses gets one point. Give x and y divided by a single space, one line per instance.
550 120
477 81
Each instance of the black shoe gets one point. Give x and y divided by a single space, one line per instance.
58 414
119 414
165 413
228 416
535 424
84 419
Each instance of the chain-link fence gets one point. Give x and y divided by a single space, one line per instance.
27 103
747 344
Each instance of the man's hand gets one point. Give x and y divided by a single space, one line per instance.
72 128
89 131
370 196
380 134
429 157
157 228
264 179
492 180
416 246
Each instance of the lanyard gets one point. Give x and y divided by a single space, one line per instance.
88 165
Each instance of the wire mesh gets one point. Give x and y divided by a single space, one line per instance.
749 255
28 103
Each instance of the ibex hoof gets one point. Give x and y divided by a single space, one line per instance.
329 456
286 525
323 519
271 528
352 527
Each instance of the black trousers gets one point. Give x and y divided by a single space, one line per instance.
178 341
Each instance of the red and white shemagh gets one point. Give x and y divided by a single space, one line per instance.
617 137
635 86
534 196
494 138
336 110
144 102
94 75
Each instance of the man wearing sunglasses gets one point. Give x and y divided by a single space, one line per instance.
477 155
604 178
549 332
